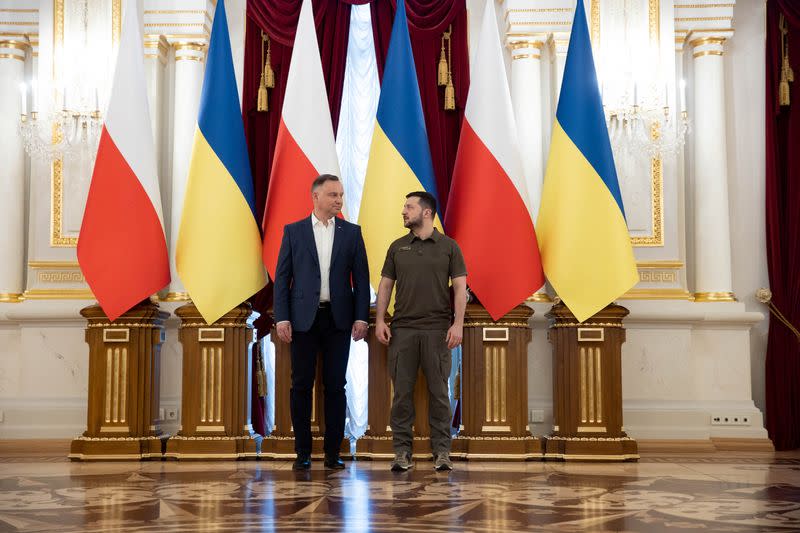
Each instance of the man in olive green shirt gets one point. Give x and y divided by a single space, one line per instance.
423 263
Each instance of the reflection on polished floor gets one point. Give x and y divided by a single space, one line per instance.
725 491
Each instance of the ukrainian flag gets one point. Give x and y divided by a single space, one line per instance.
583 237
218 255
400 157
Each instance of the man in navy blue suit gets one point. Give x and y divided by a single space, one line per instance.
321 300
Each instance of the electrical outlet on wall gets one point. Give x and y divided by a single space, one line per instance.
172 414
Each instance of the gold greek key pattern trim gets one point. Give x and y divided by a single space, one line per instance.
714 297
11 298
707 53
650 276
12 56
590 439
64 276
222 437
539 23
117 439
540 10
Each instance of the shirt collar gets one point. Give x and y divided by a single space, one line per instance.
315 220
435 236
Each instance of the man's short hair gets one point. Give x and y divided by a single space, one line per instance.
426 200
320 180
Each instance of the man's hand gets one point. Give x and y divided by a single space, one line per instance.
382 332
454 335
284 331
359 330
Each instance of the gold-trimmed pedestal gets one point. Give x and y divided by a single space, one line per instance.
124 380
587 387
494 385
215 417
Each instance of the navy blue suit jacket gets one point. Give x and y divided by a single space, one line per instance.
297 277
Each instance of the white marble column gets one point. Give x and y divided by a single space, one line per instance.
189 65
12 176
712 239
526 98
156 50
559 44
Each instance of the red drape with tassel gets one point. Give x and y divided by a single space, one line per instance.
428 19
783 227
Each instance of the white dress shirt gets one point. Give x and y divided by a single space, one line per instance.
323 237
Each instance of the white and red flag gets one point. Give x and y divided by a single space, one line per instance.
487 211
305 147
122 248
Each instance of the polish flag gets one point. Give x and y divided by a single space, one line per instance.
122 248
305 147
488 212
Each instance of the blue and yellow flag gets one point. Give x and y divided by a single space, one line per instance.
218 254
400 157
583 237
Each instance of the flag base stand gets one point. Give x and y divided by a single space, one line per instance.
124 379
215 422
587 387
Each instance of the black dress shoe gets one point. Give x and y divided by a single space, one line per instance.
333 462
303 462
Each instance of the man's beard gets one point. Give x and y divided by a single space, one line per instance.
413 223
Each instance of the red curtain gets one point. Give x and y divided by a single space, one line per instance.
427 20
278 19
783 229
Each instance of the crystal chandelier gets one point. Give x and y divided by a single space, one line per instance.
647 130
59 134
71 123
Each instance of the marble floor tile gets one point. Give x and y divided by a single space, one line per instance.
718 492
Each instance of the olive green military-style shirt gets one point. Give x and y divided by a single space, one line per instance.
422 270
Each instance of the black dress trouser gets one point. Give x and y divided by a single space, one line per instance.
334 346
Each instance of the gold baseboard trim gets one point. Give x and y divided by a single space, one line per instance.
176 297
539 297
11 297
58 294
503 456
727 444
666 446
714 297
